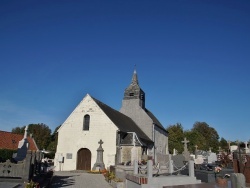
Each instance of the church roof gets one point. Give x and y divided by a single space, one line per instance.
10 141
154 119
123 122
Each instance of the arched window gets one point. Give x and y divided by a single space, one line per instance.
86 120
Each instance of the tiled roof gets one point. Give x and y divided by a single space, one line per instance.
123 122
10 140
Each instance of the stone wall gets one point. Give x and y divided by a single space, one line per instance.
126 153
23 170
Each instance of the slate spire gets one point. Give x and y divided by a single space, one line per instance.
133 91
135 79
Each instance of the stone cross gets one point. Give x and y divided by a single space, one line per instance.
25 133
210 149
186 152
196 147
99 165
220 150
100 142
185 141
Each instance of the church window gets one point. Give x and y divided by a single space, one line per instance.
131 94
86 120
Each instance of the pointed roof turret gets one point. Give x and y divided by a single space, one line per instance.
135 79
133 91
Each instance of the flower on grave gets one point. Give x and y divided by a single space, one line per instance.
217 169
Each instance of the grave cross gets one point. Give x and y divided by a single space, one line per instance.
196 147
100 142
185 141
220 150
210 149
25 133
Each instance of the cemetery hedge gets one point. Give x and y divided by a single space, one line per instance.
6 154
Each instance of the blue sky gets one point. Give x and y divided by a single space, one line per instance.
192 59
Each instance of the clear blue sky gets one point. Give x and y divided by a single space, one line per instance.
192 59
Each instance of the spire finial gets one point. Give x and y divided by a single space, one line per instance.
134 78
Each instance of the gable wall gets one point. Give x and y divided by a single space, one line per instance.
161 141
71 136
132 109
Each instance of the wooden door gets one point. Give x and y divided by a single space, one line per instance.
84 159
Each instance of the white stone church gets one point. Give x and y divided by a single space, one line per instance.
134 127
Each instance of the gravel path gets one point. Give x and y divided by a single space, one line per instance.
81 180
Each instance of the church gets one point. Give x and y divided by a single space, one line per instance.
126 135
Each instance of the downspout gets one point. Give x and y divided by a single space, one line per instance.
153 138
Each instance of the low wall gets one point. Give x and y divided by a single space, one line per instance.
208 176
22 171
121 171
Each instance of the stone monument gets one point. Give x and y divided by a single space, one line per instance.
186 153
99 165
23 146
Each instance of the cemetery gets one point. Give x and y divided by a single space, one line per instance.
200 169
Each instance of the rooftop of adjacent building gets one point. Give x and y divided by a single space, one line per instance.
10 141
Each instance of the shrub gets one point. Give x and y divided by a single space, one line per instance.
6 154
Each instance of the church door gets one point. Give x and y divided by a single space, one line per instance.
84 159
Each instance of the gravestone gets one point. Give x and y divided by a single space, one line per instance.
211 158
179 161
238 180
175 152
99 165
233 148
23 146
199 160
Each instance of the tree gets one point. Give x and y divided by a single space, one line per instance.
54 138
175 137
40 133
18 130
195 138
209 133
224 144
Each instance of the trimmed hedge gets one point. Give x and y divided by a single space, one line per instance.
6 154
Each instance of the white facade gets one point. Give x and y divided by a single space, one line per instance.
72 137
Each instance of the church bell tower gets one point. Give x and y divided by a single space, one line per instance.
134 93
